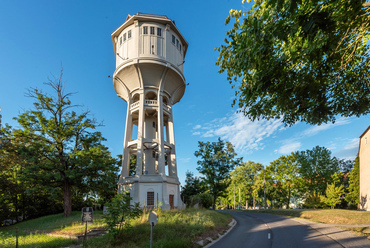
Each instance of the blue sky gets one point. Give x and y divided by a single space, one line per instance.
37 37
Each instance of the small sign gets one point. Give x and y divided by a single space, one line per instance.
153 218
87 214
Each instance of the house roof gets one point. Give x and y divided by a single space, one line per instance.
367 129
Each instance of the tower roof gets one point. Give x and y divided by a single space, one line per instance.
149 17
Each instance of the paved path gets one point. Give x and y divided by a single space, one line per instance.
273 231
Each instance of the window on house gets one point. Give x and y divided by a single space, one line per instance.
153 154
180 47
124 37
150 198
173 39
154 124
120 40
152 30
145 30
129 34
159 31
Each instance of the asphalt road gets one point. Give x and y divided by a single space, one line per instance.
272 231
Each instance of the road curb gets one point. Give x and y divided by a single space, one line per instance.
220 236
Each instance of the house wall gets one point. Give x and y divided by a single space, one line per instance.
364 156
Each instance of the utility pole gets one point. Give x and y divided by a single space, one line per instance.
234 196
239 198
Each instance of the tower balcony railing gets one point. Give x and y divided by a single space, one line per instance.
150 103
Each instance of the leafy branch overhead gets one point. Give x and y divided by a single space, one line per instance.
299 60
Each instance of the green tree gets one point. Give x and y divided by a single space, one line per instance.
285 176
333 195
217 159
316 168
353 195
60 146
193 186
244 177
299 60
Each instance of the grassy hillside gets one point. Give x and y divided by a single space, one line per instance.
174 229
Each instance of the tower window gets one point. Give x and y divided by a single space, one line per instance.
154 124
129 34
177 43
150 198
159 31
124 37
180 47
152 30
145 30
153 154
173 39
120 40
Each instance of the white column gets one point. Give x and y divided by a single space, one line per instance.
126 150
171 140
161 166
140 132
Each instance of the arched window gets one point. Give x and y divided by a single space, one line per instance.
151 95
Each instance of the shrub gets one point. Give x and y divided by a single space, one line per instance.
204 200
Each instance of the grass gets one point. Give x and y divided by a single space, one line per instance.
363 231
35 233
327 216
174 229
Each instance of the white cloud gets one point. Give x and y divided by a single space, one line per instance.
196 133
289 147
317 129
352 144
244 134
197 126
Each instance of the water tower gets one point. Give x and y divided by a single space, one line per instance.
149 76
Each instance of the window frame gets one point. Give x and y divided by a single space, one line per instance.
150 198
145 29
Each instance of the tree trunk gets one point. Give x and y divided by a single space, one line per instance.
67 198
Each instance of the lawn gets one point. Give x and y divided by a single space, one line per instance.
327 216
174 229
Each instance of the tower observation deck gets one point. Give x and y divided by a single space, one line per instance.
150 53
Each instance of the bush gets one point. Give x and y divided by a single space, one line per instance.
119 213
204 200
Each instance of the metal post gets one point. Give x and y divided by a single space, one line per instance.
151 235
16 237
84 245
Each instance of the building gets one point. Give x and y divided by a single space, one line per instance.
150 53
364 157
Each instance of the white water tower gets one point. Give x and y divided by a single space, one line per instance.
150 53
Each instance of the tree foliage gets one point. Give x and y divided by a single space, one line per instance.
299 60
285 175
353 195
60 149
244 177
216 160
316 167
333 195
193 186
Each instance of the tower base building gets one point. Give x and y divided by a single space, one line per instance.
150 52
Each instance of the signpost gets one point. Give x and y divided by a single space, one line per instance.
87 216
153 220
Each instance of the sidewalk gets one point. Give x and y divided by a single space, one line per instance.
342 237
